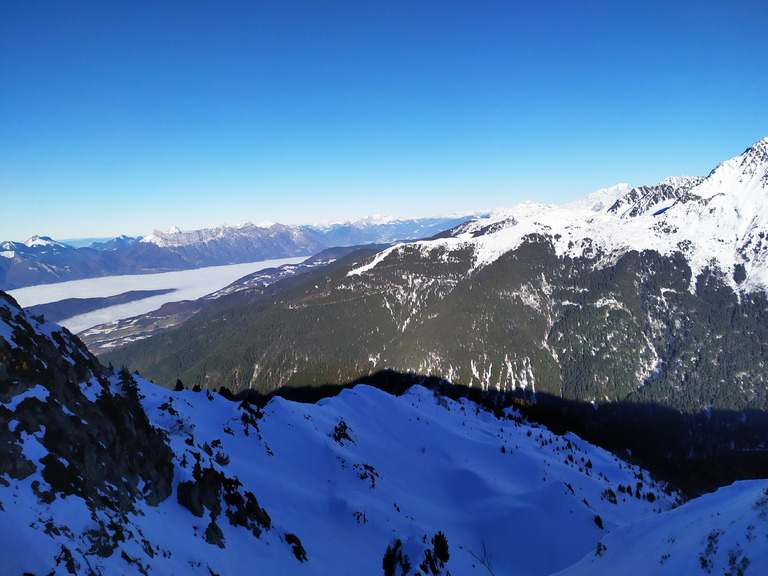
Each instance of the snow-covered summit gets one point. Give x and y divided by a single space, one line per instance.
719 221
602 199
743 175
39 241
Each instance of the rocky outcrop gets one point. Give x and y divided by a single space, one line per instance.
98 441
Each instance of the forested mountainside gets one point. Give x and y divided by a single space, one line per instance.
529 321
661 301
41 260
110 335
102 472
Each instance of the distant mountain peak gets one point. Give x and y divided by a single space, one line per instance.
602 199
37 241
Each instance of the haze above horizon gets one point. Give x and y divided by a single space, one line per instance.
122 118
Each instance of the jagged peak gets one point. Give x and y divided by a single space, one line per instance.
645 198
759 147
684 182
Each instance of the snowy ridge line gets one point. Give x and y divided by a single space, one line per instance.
376 259
719 221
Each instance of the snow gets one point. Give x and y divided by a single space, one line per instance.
374 220
32 449
187 285
373 263
91 389
40 392
720 224
37 241
678 542
415 464
433 464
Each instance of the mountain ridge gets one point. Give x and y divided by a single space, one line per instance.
730 205
202 484
664 306
40 260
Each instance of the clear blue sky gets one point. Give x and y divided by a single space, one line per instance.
123 117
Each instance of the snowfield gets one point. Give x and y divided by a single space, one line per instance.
509 496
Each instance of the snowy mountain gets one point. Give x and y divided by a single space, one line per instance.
718 221
37 245
599 200
103 472
43 261
661 300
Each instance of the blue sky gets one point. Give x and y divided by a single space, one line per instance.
123 117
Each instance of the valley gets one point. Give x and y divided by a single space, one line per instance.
586 382
657 296
175 287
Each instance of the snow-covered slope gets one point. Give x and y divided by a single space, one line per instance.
190 482
719 221
721 533
116 475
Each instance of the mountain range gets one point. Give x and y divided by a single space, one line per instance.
652 294
41 260
547 390
102 472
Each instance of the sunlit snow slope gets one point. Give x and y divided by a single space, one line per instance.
115 475
720 221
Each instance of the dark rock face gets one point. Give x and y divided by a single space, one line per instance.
100 444
75 436
213 490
